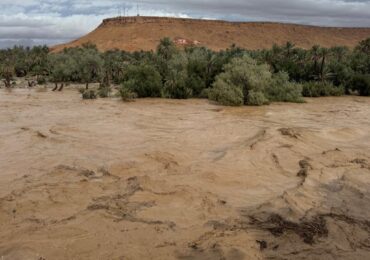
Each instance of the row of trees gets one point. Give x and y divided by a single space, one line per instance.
22 62
233 77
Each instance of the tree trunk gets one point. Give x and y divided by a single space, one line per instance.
322 68
315 65
109 76
56 87
87 85
7 83
31 83
61 87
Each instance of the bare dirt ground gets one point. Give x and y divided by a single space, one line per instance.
167 179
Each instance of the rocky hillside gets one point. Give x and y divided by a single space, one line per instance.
144 33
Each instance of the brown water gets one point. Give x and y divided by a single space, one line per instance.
167 179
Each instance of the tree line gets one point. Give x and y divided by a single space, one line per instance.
234 76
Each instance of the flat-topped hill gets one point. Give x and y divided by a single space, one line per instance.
144 33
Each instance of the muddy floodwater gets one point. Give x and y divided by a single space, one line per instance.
171 179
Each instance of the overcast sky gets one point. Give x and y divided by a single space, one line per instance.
29 22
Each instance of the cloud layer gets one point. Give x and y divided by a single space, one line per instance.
55 21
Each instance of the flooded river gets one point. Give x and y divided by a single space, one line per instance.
182 179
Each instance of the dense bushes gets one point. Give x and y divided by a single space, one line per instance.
241 76
176 78
247 82
89 94
227 94
7 74
144 80
256 98
104 91
361 83
231 77
281 89
126 94
321 89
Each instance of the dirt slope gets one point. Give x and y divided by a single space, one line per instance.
144 33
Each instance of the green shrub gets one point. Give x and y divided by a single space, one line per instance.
41 80
247 82
176 79
226 94
321 89
104 91
126 94
89 94
199 72
361 83
196 84
282 90
205 93
256 98
241 76
177 90
144 80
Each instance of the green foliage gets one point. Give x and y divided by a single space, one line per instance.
7 67
104 91
41 80
205 93
166 48
232 77
26 61
360 60
7 74
199 69
341 72
89 94
364 47
114 64
361 83
62 67
227 94
165 51
321 89
126 94
175 85
144 80
288 59
282 90
89 66
81 65
256 98
81 90
255 83
241 76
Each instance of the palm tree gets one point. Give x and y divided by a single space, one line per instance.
289 47
7 73
324 53
339 53
364 46
315 56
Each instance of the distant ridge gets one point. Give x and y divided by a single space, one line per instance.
144 33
